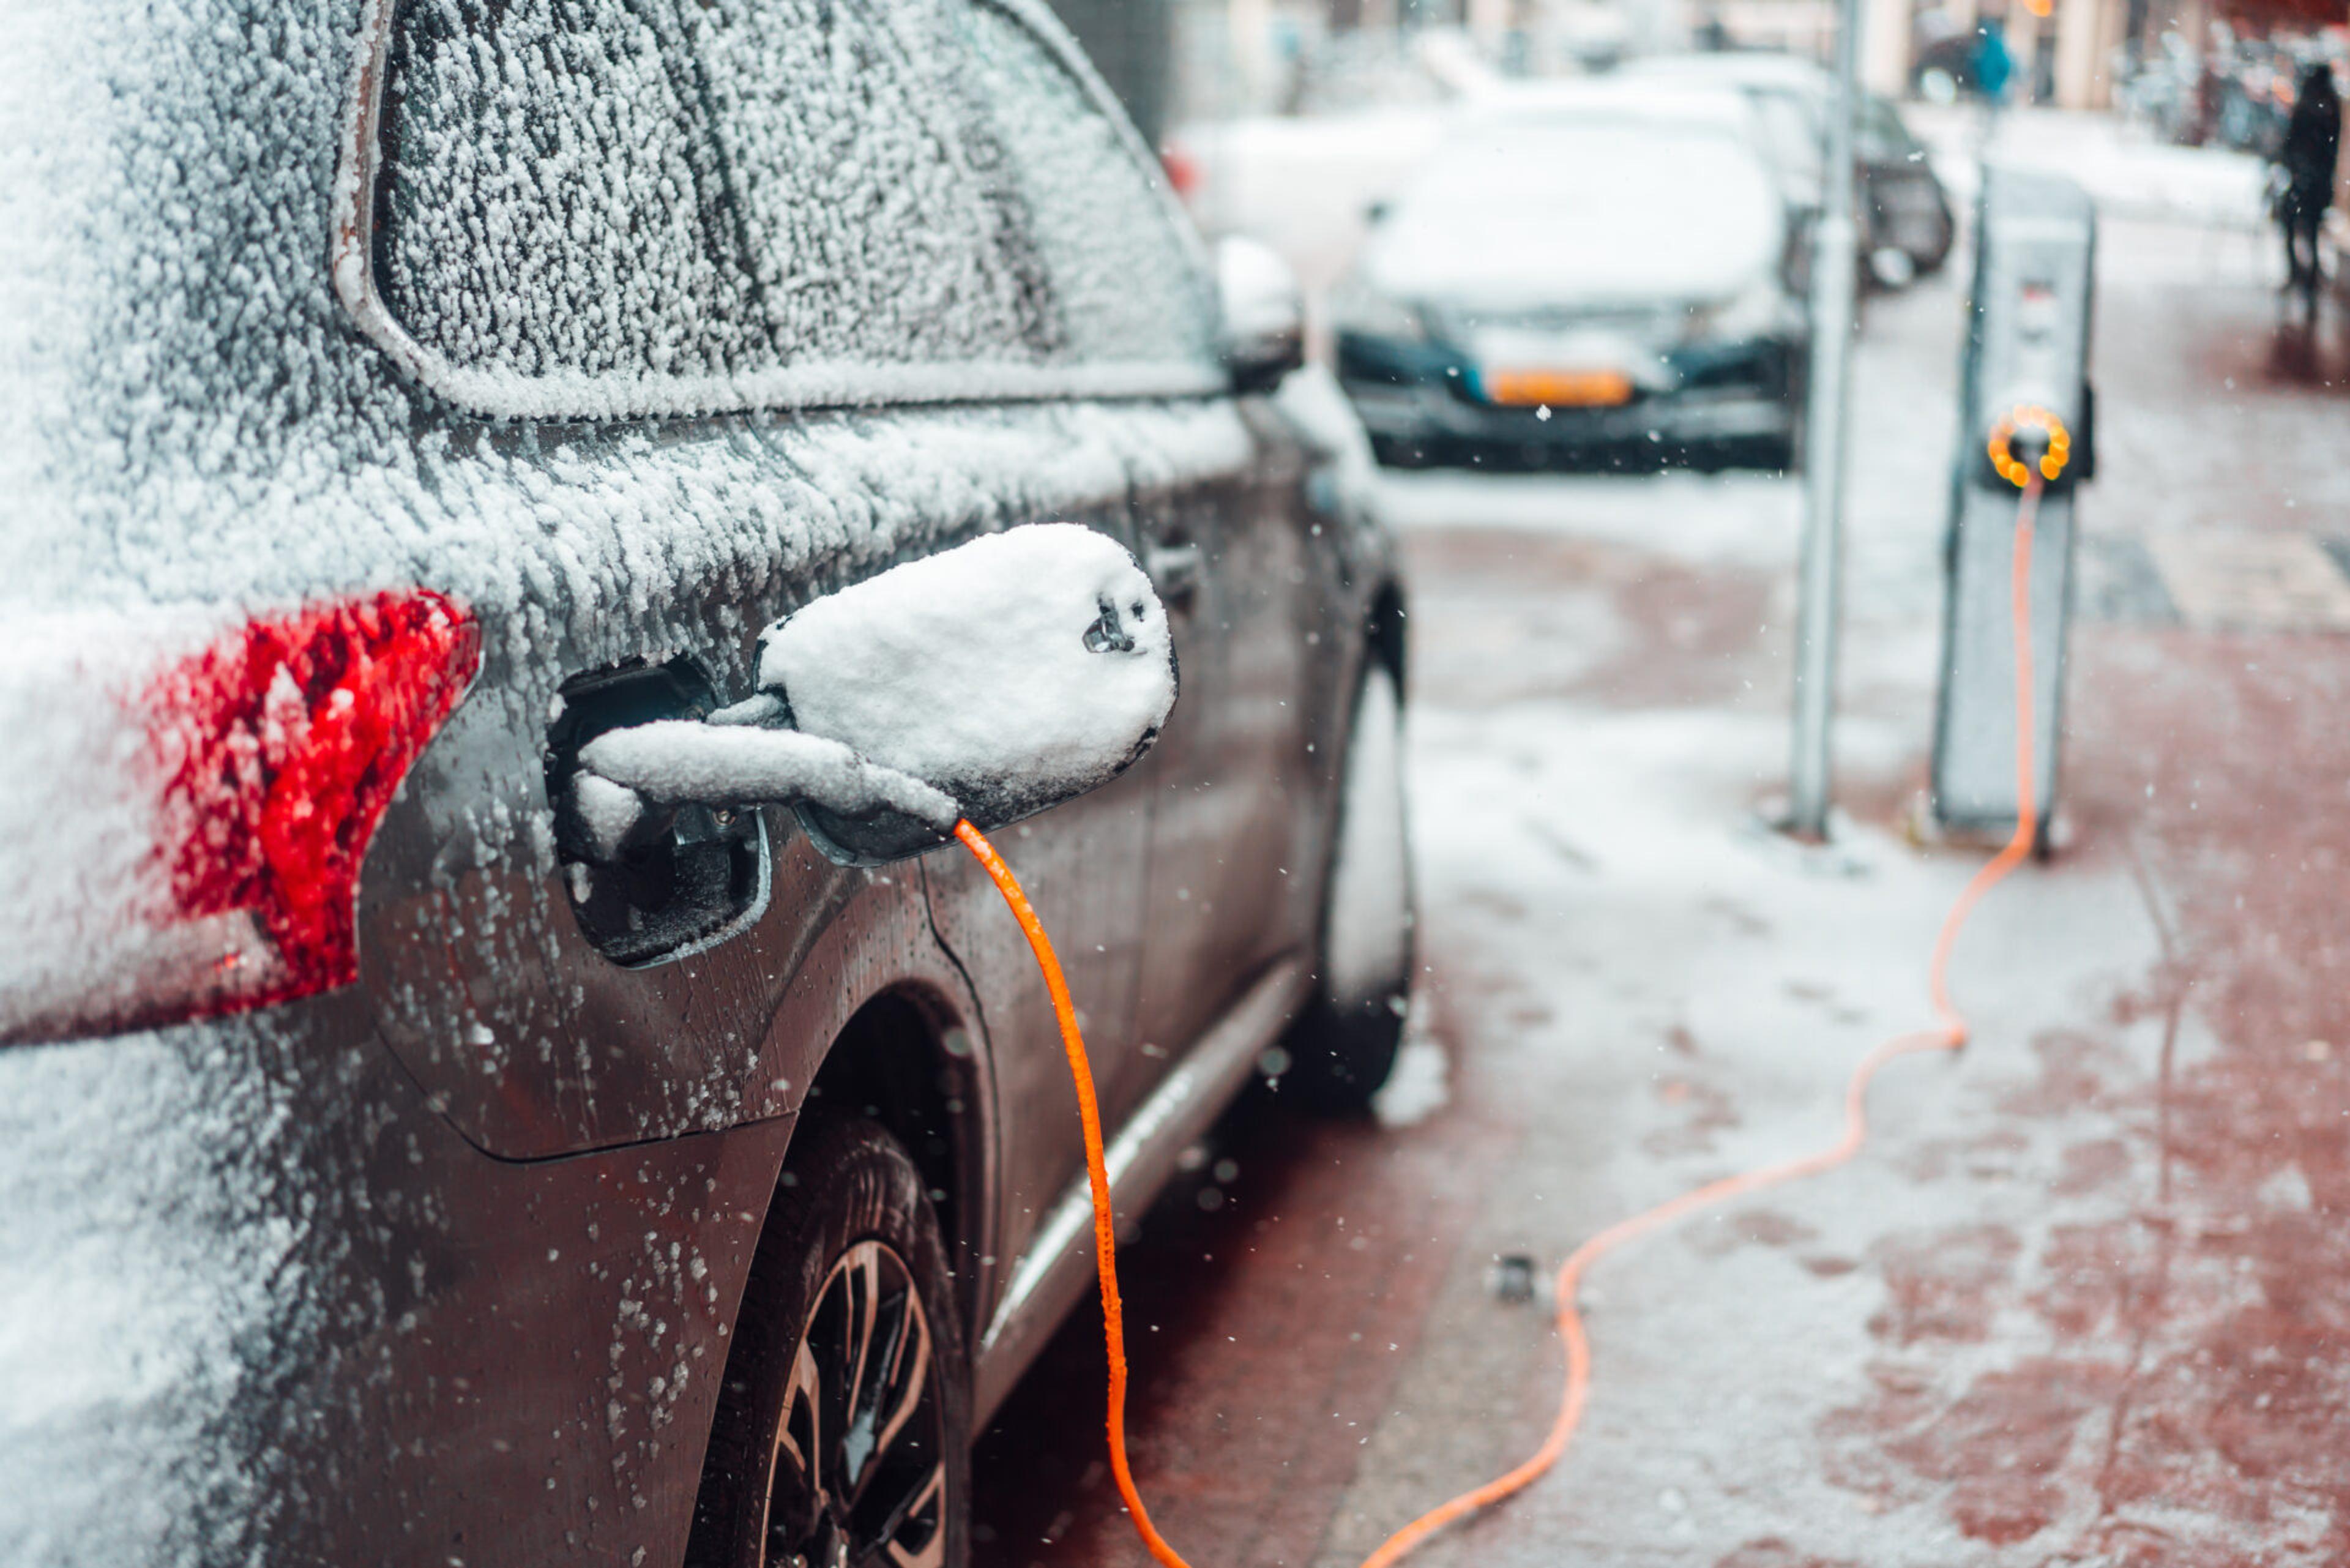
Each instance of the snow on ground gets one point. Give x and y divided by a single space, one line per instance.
1746 518
1417 1089
2125 171
1664 994
1655 990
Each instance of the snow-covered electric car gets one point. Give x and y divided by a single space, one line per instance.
399 396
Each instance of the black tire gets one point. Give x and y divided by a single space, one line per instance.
1343 1046
850 1226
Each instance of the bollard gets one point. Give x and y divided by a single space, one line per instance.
2026 401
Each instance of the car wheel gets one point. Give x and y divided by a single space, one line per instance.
1344 1047
842 1433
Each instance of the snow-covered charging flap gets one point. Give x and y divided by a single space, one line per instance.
989 682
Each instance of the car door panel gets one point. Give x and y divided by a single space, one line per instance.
1235 812
805 205
1083 864
484 983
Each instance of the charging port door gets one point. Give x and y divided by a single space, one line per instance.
689 876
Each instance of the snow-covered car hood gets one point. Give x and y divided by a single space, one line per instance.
1600 216
1554 266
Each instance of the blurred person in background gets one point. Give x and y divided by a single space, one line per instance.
1994 64
2313 140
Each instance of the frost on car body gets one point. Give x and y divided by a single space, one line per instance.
1011 672
343 1217
985 683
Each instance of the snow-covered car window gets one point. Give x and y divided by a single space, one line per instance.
593 207
550 202
864 157
1127 285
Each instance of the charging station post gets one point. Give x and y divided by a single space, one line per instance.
2027 412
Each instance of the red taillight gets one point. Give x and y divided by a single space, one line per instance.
282 743
1182 171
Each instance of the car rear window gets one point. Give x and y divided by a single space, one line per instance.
590 206
550 200
1107 234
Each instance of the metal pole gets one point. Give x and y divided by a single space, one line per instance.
1834 262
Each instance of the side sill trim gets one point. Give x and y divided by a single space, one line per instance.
1058 1267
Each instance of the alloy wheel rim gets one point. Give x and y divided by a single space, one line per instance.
858 1477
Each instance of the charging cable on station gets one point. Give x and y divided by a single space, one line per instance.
2029 447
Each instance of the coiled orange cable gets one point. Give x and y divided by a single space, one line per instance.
1948 1034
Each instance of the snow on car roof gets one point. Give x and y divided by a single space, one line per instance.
1742 69
1620 101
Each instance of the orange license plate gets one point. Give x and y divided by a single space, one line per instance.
1559 388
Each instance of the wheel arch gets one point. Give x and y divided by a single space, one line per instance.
910 1059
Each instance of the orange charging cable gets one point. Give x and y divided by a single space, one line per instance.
1081 1073
1948 1034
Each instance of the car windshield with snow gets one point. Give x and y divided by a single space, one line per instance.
520 527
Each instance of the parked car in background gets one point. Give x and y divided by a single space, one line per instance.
401 396
1607 272
1358 70
1904 213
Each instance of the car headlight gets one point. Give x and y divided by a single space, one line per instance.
1362 311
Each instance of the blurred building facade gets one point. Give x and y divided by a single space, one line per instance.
2072 54
1175 60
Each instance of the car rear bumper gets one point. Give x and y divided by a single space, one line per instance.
266 1305
1680 419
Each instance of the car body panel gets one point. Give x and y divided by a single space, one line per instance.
548 1046
443 1264
1221 905
318 1326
